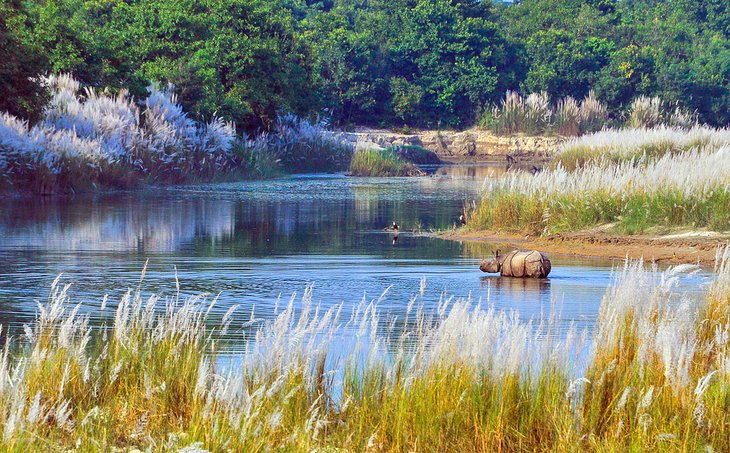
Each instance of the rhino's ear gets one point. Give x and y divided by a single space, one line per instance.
496 254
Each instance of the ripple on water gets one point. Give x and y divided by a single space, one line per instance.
258 242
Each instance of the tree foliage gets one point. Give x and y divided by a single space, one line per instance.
433 63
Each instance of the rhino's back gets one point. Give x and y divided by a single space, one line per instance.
525 263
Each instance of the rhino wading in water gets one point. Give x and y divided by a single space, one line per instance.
520 263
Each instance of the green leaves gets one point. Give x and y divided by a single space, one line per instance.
429 63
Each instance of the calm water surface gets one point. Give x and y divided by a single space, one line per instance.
257 241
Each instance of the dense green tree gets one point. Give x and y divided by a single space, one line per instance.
417 61
435 63
21 92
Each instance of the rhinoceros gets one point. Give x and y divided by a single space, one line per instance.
519 263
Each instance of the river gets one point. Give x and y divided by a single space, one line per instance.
256 242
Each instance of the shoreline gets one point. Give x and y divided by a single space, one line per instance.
474 145
689 248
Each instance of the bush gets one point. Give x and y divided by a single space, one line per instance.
416 154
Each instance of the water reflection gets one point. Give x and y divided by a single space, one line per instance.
257 242
528 288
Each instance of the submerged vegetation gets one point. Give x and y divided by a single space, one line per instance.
467 377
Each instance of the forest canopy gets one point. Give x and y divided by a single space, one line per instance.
423 63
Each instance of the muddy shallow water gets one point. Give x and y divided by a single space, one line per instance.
256 241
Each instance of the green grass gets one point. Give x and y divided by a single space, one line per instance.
374 162
470 379
633 214
673 191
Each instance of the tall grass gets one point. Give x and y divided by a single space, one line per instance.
381 162
648 112
90 138
658 377
568 117
618 145
302 146
464 378
534 115
690 189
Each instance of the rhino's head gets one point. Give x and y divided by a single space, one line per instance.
491 265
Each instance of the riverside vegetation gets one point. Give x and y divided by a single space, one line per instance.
467 377
630 180
399 160
89 139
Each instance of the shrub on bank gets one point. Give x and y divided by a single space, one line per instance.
655 376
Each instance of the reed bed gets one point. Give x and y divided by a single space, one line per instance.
535 114
618 145
690 189
89 138
465 377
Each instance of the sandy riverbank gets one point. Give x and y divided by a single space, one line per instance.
472 145
687 247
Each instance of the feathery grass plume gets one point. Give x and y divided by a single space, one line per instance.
97 139
538 114
315 379
531 115
154 379
619 145
656 375
645 112
683 118
303 146
535 115
686 189
509 118
593 114
568 117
